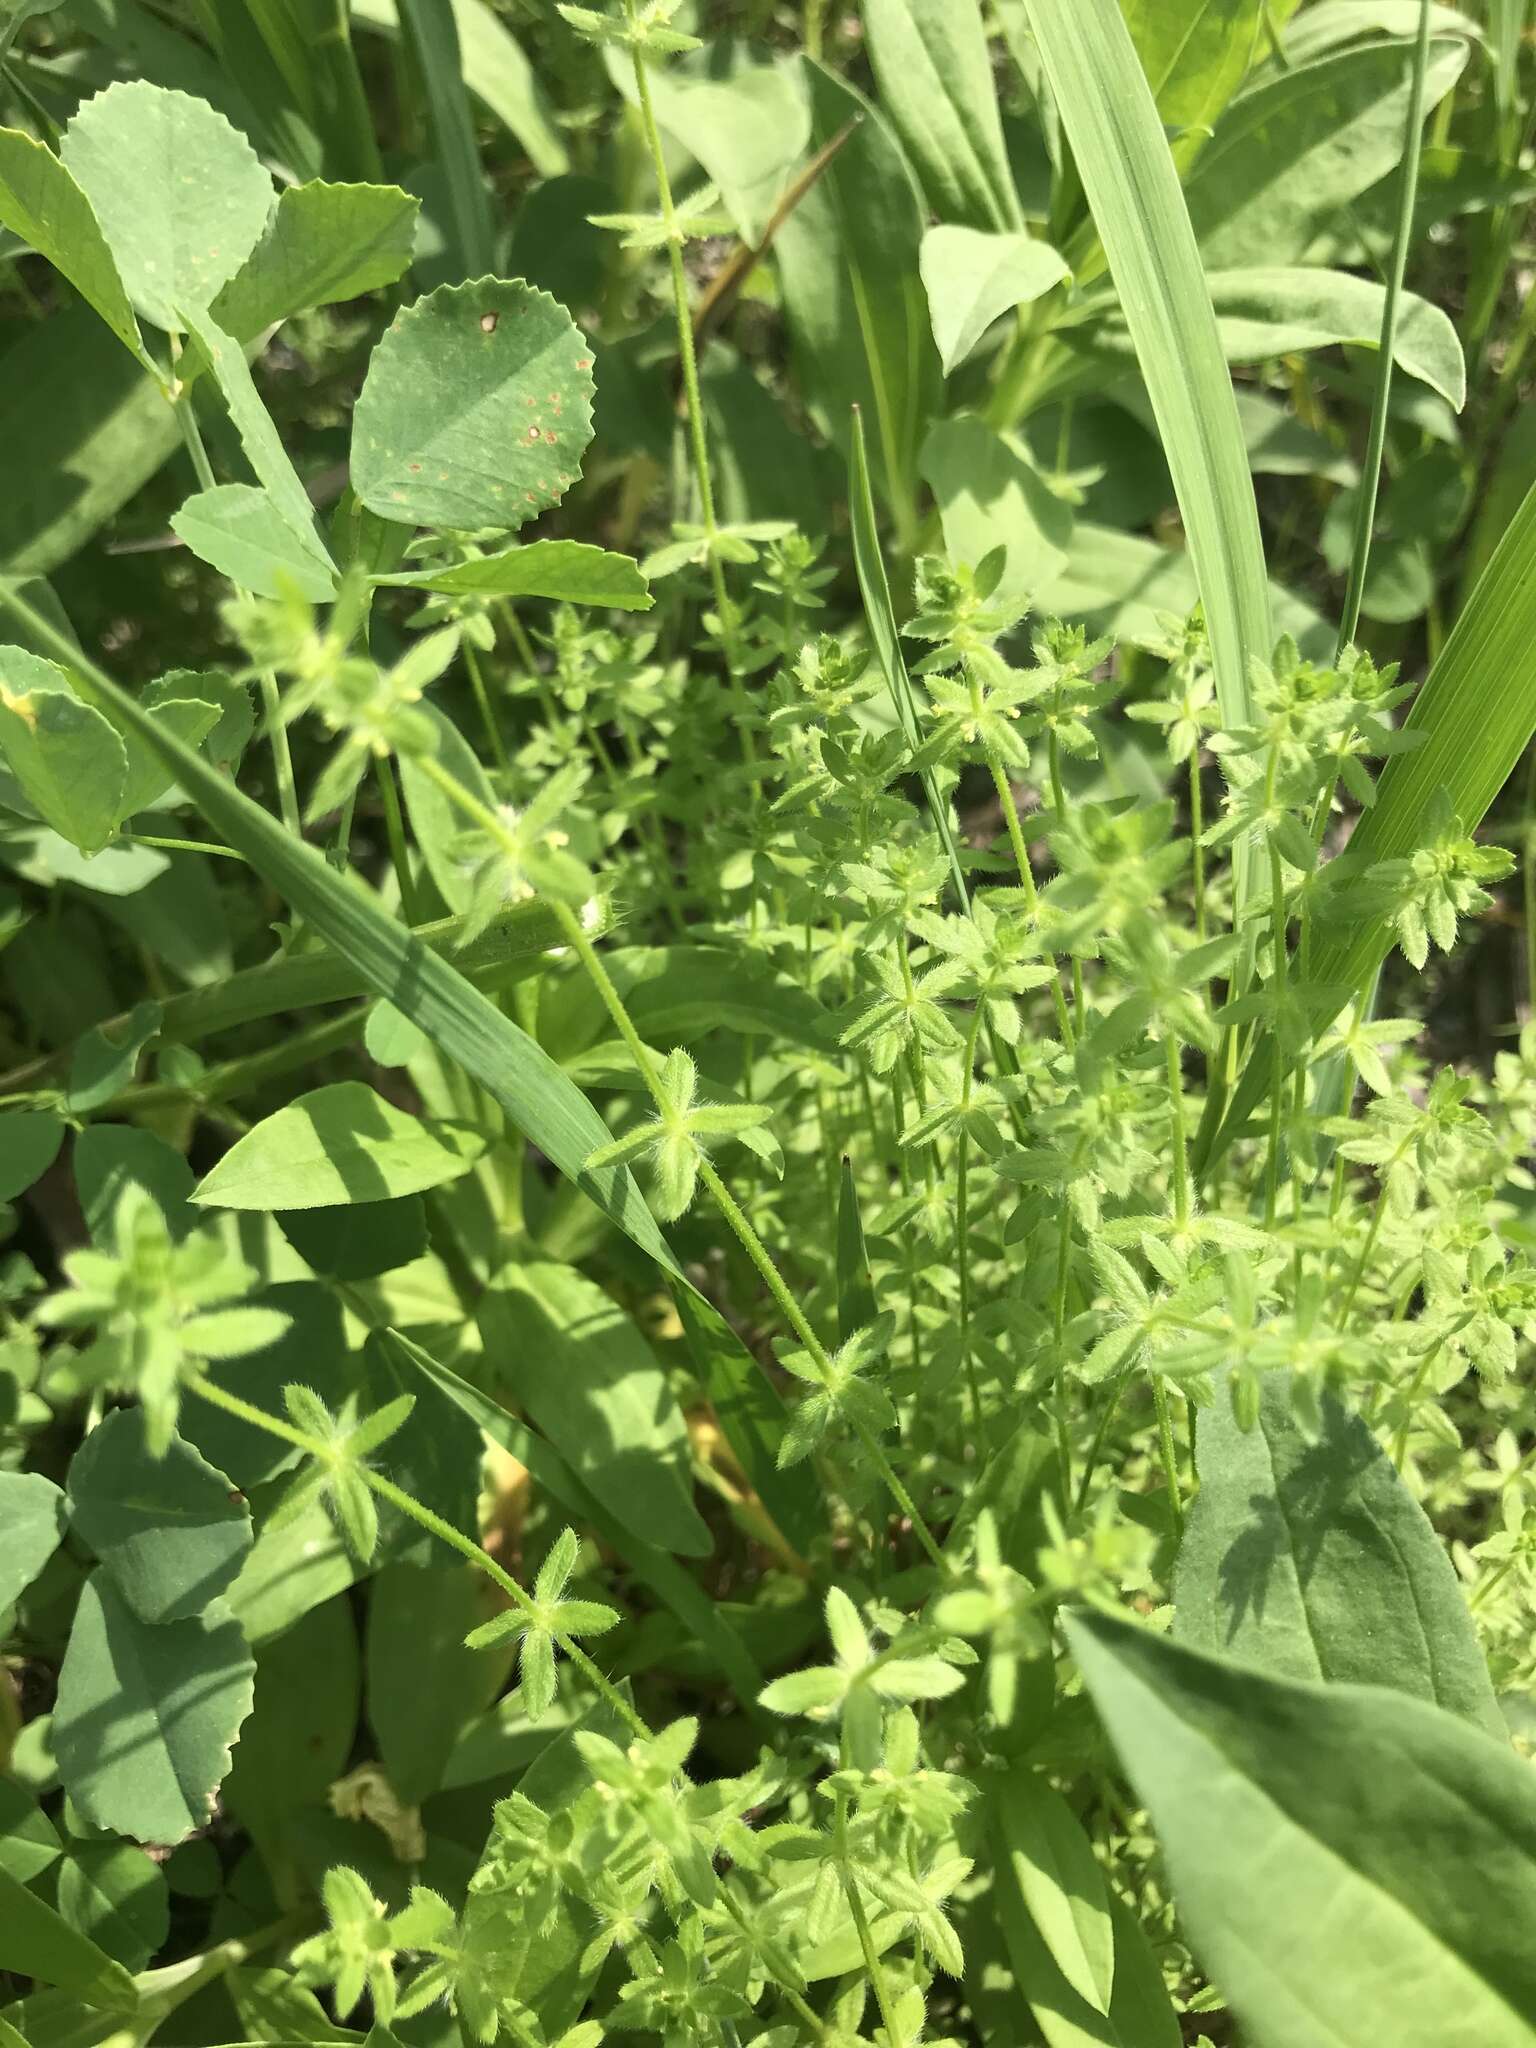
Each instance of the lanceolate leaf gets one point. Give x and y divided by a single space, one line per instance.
1292 153
935 79
1265 313
1140 2013
1195 56
476 410
1333 1850
570 1357
1051 1860
41 202
1309 1558
147 1714
848 258
180 195
1138 209
570 570
393 962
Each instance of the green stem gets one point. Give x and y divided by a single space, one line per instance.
872 1963
178 845
394 831
962 1217
1176 1130
1027 882
483 704
725 1202
1170 1454
697 438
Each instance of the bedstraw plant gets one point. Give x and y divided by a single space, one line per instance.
770 1271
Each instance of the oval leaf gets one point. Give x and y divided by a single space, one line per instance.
973 278
146 1714
181 196
29 1144
1310 1559
1332 1849
71 765
566 569
239 531
341 1143
171 1531
31 1523
324 243
476 410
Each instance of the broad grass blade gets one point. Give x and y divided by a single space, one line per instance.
1122 156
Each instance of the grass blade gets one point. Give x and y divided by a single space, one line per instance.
1370 478
1133 190
543 1102
435 37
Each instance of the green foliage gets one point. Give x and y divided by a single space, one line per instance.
767 1272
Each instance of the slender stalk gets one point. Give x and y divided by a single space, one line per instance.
1370 475
1176 1131
178 845
483 705
271 700
872 1963
697 437
1197 850
445 1532
394 831
962 1213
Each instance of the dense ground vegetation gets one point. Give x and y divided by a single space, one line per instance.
767 921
